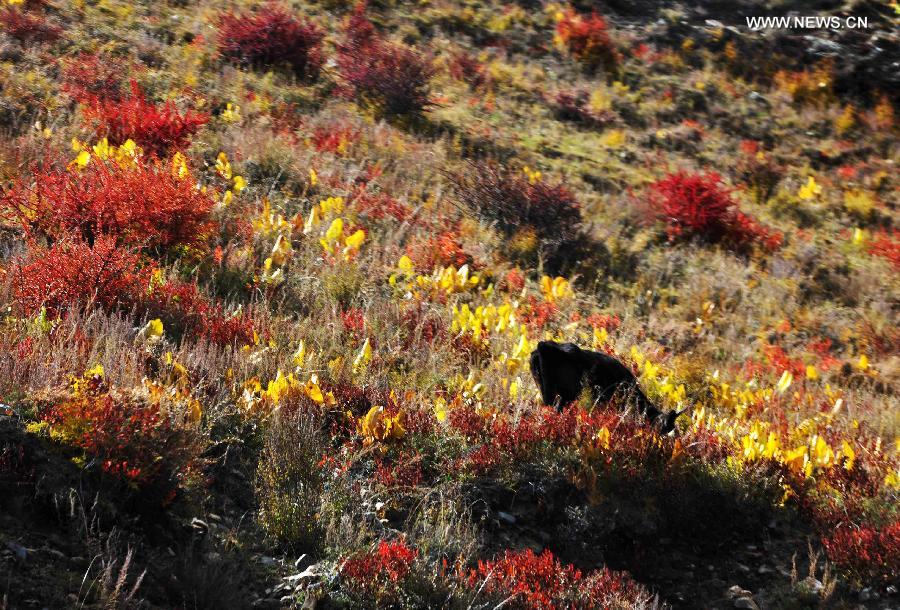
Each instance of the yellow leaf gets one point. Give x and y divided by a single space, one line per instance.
440 409
784 383
811 373
850 454
603 438
300 354
356 240
223 167
154 329
335 230
364 356
405 264
863 363
239 184
809 190
83 158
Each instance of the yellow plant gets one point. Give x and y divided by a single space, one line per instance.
556 289
378 426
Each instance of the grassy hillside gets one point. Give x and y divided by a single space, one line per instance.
272 274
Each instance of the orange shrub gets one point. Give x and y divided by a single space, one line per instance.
587 39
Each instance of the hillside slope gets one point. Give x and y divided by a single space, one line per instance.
273 273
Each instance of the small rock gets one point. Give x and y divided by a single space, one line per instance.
865 595
764 570
891 590
746 603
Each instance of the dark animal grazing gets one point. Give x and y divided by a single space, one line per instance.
561 370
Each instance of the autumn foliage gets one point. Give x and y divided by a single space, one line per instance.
379 574
28 27
132 436
699 206
271 37
141 206
388 77
540 582
157 128
587 39
73 272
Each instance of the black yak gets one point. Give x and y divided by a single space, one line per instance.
561 371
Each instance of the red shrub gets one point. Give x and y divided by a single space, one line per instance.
513 202
698 205
537 314
468 423
144 206
379 206
73 273
405 471
868 553
135 438
587 39
888 247
157 129
334 138
378 575
271 37
542 582
464 67
441 250
387 77
88 76
183 309
26 27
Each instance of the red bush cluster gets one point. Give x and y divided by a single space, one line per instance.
868 553
403 471
158 129
541 582
28 27
465 68
887 246
72 273
587 39
698 205
379 205
271 37
184 309
88 76
129 437
334 138
513 202
144 206
378 575
441 250
387 77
